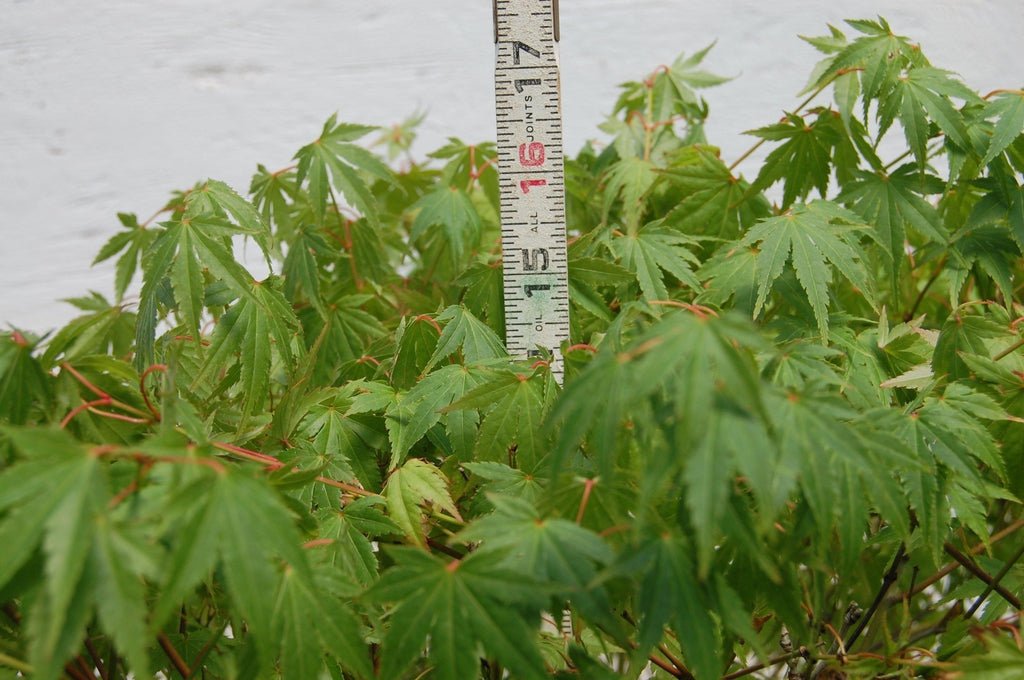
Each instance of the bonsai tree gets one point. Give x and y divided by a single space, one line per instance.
789 441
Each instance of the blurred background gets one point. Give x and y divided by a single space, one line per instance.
107 106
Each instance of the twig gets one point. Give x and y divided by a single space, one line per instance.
588 486
97 659
775 661
1009 350
173 655
81 408
675 661
100 393
142 387
669 668
998 577
799 108
197 663
981 574
274 464
890 577
16 664
920 296
84 667
975 550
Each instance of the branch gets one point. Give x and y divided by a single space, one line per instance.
173 655
775 661
981 574
1009 350
998 577
799 108
975 550
890 577
142 387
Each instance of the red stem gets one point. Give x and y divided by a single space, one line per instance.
84 406
142 387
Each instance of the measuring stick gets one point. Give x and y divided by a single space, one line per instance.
532 178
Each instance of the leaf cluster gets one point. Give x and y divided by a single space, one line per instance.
789 438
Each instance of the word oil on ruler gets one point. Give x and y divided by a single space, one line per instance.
532 178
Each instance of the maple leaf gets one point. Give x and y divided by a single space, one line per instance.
332 158
893 204
804 159
408 488
880 54
23 383
923 94
809 236
410 415
655 249
512 427
451 209
629 180
1009 107
711 200
540 548
450 602
464 331
134 241
587 275
253 328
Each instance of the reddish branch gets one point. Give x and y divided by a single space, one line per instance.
173 655
142 387
103 399
275 464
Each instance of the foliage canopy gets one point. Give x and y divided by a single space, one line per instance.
790 437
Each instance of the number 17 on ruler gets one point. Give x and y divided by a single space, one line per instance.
532 178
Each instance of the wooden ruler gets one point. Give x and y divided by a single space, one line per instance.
532 178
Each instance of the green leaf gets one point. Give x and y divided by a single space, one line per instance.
411 415
893 205
547 550
923 93
712 201
802 161
120 594
332 158
301 267
962 333
218 529
653 250
451 209
417 341
61 517
252 327
880 55
459 606
630 179
133 242
410 487
512 430
336 631
808 236
1009 106
465 331
217 197
23 382
1002 660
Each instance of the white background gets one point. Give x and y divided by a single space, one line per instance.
106 106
